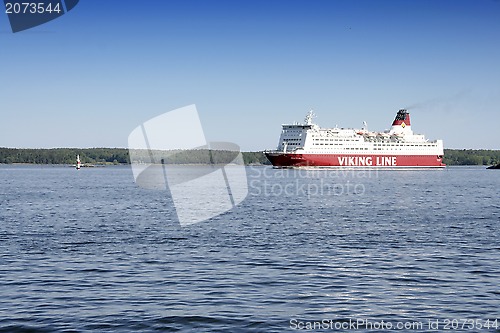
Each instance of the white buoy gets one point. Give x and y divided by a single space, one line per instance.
78 163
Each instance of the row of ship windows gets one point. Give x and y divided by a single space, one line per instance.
336 139
290 142
289 139
381 145
328 155
357 140
384 146
357 148
376 144
406 145
345 148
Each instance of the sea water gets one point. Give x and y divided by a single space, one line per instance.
89 250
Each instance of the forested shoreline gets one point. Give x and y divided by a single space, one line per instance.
121 156
103 156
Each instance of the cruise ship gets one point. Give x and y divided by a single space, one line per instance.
309 145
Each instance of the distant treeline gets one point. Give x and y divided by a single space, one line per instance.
471 157
121 156
64 155
196 156
110 156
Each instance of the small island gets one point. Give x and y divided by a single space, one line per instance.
494 166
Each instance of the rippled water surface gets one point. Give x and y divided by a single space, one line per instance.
90 251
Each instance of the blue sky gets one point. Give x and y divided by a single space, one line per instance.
88 78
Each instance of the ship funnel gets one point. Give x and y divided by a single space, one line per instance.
403 117
401 124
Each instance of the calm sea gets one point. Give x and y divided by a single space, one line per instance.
90 251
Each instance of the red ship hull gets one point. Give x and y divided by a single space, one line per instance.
355 160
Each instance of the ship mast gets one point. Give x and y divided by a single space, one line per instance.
309 117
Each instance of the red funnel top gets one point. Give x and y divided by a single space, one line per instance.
402 117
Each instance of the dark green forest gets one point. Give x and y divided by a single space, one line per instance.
471 157
64 155
113 156
121 156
